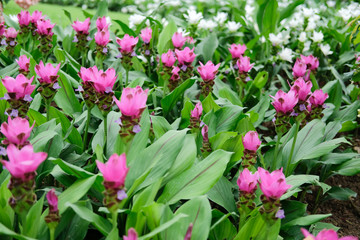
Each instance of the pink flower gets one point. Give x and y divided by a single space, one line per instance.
299 68
325 235
146 35
22 161
52 200
102 38
273 185
244 64
204 133
82 27
88 74
168 59
36 16
103 81
237 50
208 71
44 27
2 29
127 43
11 33
178 40
285 102
114 170
16 131
302 88
24 18
175 73
132 102
311 61
21 86
251 141
186 56
197 112
48 73
247 181
101 23
318 98
24 63
132 235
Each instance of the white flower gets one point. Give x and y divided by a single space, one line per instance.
193 17
307 46
286 54
317 36
164 22
221 17
331 3
249 9
326 49
233 26
207 24
275 39
311 26
302 37
314 18
182 31
135 20
308 12
345 14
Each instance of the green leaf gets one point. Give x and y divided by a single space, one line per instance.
160 126
349 168
270 17
305 221
125 28
340 193
261 79
222 194
36 117
207 47
165 36
31 225
68 15
65 97
199 179
290 9
4 230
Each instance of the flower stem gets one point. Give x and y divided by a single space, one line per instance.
105 133
52 233
127 78
114 219
313 81
273 167
47 105
292 148
86 129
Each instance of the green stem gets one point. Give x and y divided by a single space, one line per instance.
273 167
240 91
105 133
292 149
242 219
114 219
86 129
127 78
83 59
47 103
52 233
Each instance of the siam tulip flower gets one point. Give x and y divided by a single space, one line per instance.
52 200
127 44
237 50
197 111
174 79
132 235
132 102
244 65
326 50
175 73
82 27
2 29
193 17
286 54
11 33
24 64
178 40
36 16
233 26
168 59
325 235
47 73
44 27
16 131
208 71
53 218
318 98
247 182
207 24
206 147
101 24
22 162
104 81
221 17
302 37
24 18
317 37
18 88
25 4
273 185
251 141
186 56
302 88
102 38
276 40
311 61
299 69
114 170
204 133
285 102
146 35
188 233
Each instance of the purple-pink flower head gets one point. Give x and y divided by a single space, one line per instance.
82 27
285 102
237 50
168 58
197 111
132 102
244 65
186 56
127 43
302 88
208 71
251 141
114 170
247 181
273 185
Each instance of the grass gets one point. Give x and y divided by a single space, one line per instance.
57 15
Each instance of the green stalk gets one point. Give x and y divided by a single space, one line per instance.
127 78
114 219
86 129
292 149
276 151
105 133
52 233
313 81
47 105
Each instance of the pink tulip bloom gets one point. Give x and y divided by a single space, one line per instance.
186 56
302 88
299 68
24 18
251 141
197 112
237 50
88 74
21 86
132 235
178 40
175 74
127 43
311 61
247 181
285 102
132 102
273 185
24 63
47 73
318 98
102 38
101 23
11 33
204 133
16 131
52 200
208 71
114 170
36 16
146 35
82 27
325 235
44 27
244 65
2 29
22 161
168 59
